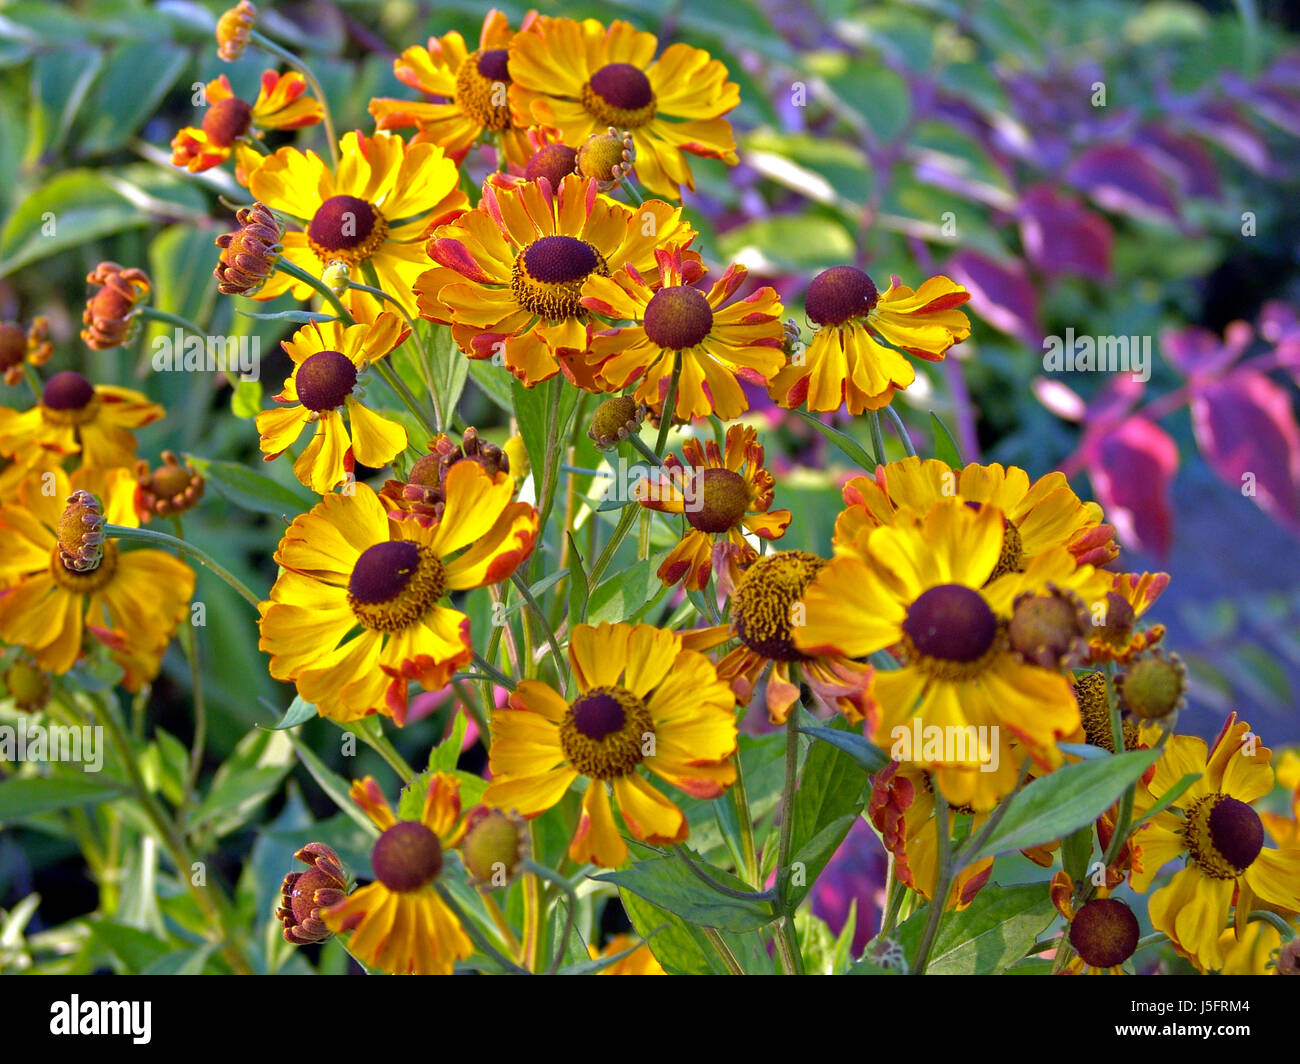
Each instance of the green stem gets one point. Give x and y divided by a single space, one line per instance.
268 45
877 437
476 936
722 888
625 522
1264 916
161 539
567 887
545 624
740 799
425 361
670 405
850 447
787 942
723 950
550 469
189 643
154 314
498 677
640 446
393 379
901 429
373 736
633 190
326 293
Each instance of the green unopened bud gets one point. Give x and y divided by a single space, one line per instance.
28 686
615 420
1153 685
494 846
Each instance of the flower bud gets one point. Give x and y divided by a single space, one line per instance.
615 420
606 158
110 312
304 894
249 254
169 489
495 844
28 686
234 28
1153 685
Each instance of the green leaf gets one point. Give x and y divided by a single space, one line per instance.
123 98
683 949
297 317
136 950
60 80
234 799
331 783
1055 805
494 382
622 594
251 490
997 930
816 853
298 712
669 884
246 400
21 798
945 447
789 243
1169 797
443 757
868 755
828 801
578 588
410 803
1076 852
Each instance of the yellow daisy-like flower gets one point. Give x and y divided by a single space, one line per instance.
1040 515
475 85
902 810
641 961
62 578
510 273
328 358
1213 826
373 215
719 494
581 78
348 567
643 701
1115 635
1103 932
1254 953
75 416
718 342
923 587
280 104
399 924
846 363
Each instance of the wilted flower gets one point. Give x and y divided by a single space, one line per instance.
110 312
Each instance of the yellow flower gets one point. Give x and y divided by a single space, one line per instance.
922 586
1213 826
473 84
1115 633
1040 515
280 104
1254 953
328 359
372 215
902 810
719 342
357 614
75 416
719 495
399 924
846 363
1103 933
581 78
61 578
643 701
510 273
639 962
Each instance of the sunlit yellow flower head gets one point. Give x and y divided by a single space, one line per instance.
398 923
510 273
62 578
718 341
927 587
846 364
643 702
358 612
329 359
1220 837
1102 933
472 87
720 494
280 104
581 78
640 961
77 417
372 215
902 809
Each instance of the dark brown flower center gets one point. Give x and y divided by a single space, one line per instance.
619 94
67 391
384 571
394 584
763 607
494 64
718 500
548 275
347 229
1104 932
1118 619
227 120
557 259
1223 834
838 294
951 622
407 856
607 732
554 162
325 379
677 318
481 86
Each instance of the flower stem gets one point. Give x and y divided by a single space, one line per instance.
161 539
877 437
786 940
740 799
904 438
723 950
326 293
545 624
394 381
670 405
439 418
189 643
372 734
154 314
268 45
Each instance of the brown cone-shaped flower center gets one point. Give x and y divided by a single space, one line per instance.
599 155
13 345
481 86
393 584
1104 932
951 622
1118 619
619 94
227 120
548 275
1152 687
718 500
763 609
607 732
407 856
1094 709
839 294
494 845
67 392
554 162
615 419
347 229
426 471
1045 629
325 379
677 318
1224 835
81 541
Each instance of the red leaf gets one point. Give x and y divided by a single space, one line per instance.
1121 179
1061 235
1000 294
1247 431
1132 466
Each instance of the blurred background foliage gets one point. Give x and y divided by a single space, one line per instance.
1109 167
